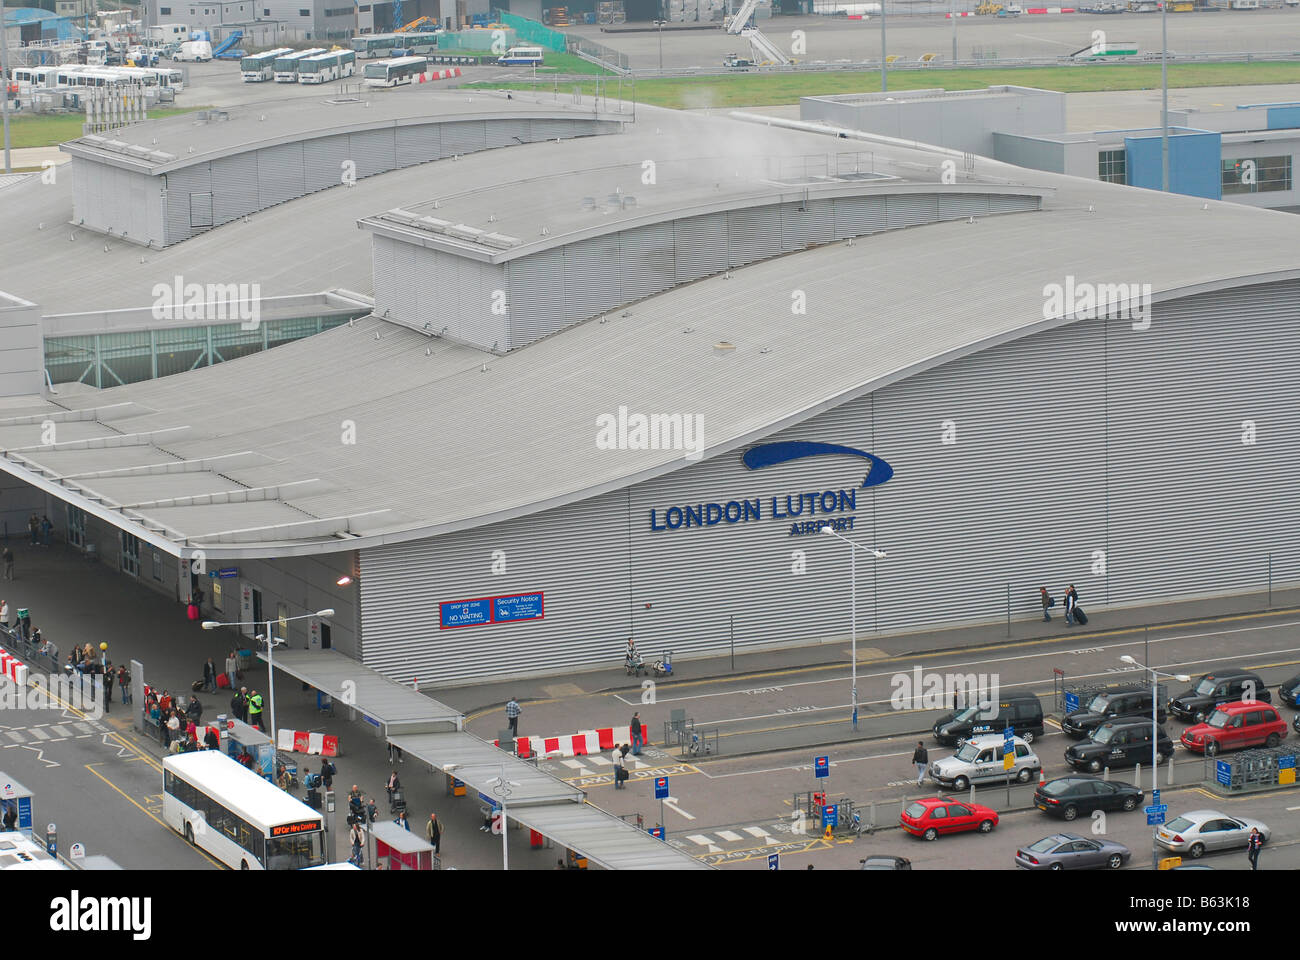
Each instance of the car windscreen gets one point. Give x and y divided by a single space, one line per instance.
970 713
915 810
1205 687
1218 719
1179 823
1099 703
968 752
1045 845
1057 787
1103 734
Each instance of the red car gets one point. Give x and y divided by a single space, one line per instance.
1233 726
930 818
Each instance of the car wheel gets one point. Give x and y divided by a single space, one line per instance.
986 826
1196 851
1056 866
1094 766
1027 736
1199 716
1115 862
1024 775
1211 748
189 834
930 834
1070 812
1273 740
960 784
1130 803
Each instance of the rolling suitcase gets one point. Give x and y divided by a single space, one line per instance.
1079 615
223 681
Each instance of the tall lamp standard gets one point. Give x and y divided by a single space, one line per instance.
501 787
853 576
270 640
660 24
1155 728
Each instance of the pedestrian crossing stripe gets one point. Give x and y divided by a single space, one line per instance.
62 731
729 836
756 832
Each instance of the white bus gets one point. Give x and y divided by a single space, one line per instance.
27 77
521 56
222 807
327 66
168 77
392 73
260 66
82 76
286 67
386 45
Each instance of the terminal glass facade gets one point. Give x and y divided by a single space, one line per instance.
113 359
1112 167
1256 175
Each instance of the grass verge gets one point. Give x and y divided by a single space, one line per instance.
30 130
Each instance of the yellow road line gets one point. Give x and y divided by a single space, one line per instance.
120 738
146 812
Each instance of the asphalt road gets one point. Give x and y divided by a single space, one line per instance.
910 36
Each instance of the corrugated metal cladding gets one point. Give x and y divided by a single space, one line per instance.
423 287
1092 454
109 198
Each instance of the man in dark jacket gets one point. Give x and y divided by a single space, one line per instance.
211 740
239 704
210 676
634 728
195 710
921 758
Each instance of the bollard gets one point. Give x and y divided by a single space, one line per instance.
1171 771
1137 776
1105 773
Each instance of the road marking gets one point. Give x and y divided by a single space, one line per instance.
40 755
701 840
147 813
729 836
596 760
671 804
757 832
40 734
63 732
16 736
1290 809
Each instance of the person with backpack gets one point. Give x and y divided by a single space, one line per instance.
327 771
1047 602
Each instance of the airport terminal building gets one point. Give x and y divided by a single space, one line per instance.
613 382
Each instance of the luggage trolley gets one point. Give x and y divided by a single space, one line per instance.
397 802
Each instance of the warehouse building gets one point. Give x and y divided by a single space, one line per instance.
614 386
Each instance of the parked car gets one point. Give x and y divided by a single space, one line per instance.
1222 686
936 816
880 862
1067 797
1118 743
1125 703
1067 851
1200 831
1289 692
1023 714
979 760
1235 726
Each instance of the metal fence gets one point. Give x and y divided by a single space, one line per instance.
1253 769
533 32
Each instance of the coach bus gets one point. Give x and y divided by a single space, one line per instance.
286 67
228 811
392 73
327 66
371 45
260 67
521 56
82 76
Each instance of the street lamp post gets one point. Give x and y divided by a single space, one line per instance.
270 652
501 787
853 576
1164 95
1155 732
884 60
660 24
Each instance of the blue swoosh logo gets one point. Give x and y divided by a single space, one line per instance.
770 454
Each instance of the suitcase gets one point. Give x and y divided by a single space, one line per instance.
196 686
1079 615
223 681
192 611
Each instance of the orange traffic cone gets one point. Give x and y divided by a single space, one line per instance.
1042 776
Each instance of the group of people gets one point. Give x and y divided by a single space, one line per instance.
247 707
1071 602
362 810
178 725
41 531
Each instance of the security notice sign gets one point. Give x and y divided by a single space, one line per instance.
509 608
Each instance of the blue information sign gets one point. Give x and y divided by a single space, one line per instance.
821 767
1155 795
1157 808
830 815
1286 763
522 606
228 573
656 832
1223 772
661 788
774 861
1155 819
465 613
1071 702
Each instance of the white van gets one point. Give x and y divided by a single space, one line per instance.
979 760
194 51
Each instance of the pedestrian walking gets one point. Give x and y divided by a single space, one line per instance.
8 557
393 785
357 838
232 665
635 729
210 677
108 687
1047 603
255 709
124 684
433 830
1253 843
1071 598
327 771
619 769
921 760
512 716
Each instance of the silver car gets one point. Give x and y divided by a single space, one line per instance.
1068 851
1200 831
979 760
